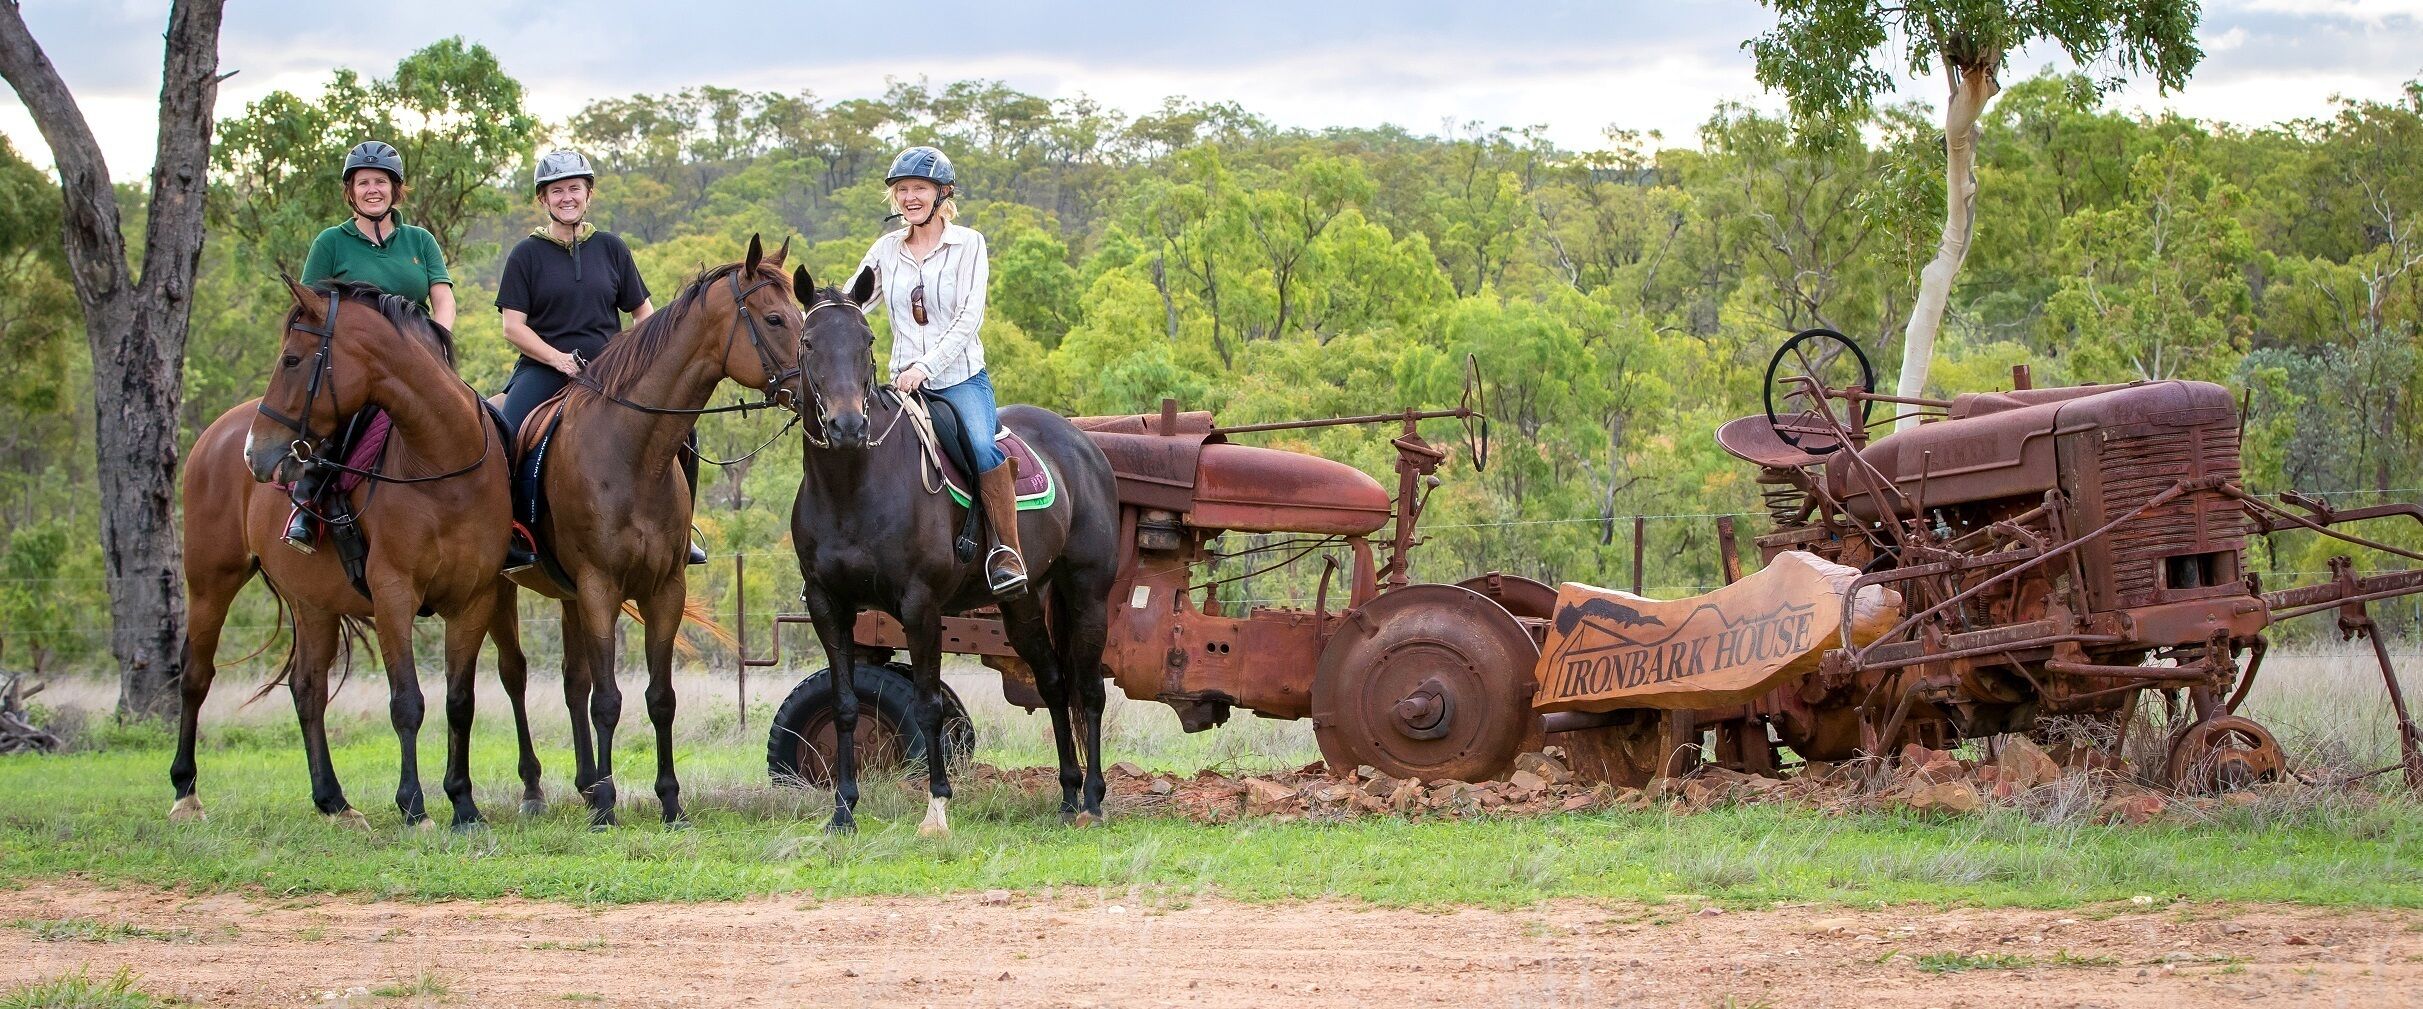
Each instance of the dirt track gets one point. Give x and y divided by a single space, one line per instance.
1086 949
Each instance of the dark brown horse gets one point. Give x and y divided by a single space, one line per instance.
435 512
618 510
871 536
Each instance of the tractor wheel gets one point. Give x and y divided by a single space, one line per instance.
2224 754
801 743
1430 682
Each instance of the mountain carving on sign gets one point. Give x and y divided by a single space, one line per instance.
1609 613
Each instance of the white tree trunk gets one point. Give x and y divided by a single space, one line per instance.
1972 87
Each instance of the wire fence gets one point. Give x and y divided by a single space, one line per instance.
1665 554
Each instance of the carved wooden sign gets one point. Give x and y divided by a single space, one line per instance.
1609 649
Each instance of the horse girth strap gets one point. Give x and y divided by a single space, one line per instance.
775 380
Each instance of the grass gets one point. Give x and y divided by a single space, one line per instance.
88 930
426 987
100 814
80 991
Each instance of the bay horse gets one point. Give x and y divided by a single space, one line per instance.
617 516
434 509
871 535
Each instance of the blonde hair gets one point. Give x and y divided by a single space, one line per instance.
949 208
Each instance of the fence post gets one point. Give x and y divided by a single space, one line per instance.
1640 537
740 624
1726 551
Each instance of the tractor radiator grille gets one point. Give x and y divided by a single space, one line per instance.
2137 467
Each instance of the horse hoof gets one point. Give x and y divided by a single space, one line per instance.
425 825
1083 820
188 810
470 826
678 824
350 818
933 830
533 807
840 828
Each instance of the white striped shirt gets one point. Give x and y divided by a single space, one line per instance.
954 276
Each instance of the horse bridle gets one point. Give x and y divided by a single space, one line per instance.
323 365
777 393
867 401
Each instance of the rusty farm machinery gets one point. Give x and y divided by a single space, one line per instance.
2021 559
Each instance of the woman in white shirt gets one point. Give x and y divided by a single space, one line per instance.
931 278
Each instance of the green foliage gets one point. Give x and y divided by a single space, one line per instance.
451 110
1833 57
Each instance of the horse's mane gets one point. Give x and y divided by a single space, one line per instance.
399 312
632 352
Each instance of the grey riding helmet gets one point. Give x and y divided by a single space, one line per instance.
374 154
921 163
561 164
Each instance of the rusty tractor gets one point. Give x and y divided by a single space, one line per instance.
2060 552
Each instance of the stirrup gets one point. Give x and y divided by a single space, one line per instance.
1011 583
521 552
301 543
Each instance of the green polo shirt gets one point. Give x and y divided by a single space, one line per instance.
407 266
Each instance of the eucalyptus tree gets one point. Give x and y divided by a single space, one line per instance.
1832 58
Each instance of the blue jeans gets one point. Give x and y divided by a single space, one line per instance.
973 399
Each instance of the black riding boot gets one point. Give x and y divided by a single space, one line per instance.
689 471
306 495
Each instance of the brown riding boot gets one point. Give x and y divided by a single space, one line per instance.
1004 568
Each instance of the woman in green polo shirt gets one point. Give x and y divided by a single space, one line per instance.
374 246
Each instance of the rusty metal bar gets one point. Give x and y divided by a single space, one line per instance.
2233 490
2246 684
2297 602
1459 413
2016 646
2410 749
2148 673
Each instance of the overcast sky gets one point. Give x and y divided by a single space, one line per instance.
1573 67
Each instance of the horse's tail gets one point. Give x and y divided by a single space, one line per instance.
351 631
698 612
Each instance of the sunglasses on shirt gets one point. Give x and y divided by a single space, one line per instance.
917 303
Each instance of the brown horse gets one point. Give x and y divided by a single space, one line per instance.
618 510
871 535
435 511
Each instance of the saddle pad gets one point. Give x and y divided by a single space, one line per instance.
368 446
1036 488
529 484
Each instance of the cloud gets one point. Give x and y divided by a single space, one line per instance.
1573 68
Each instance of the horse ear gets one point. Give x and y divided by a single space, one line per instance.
304 301
775 260
862 286
757 254
803 286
